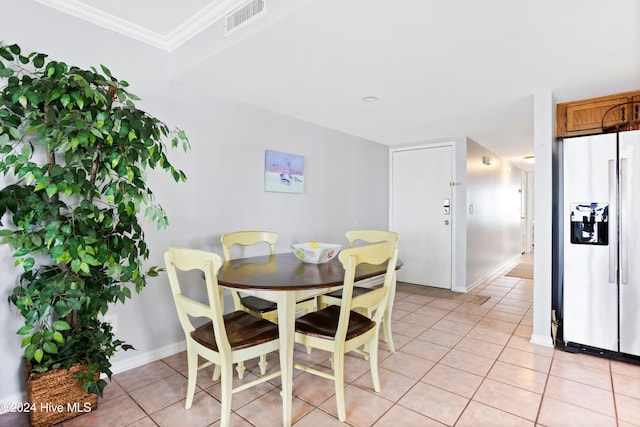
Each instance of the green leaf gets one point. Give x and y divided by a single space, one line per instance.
84 267
29 351
6 54
29 178
21 251
25 342
61 308
15 134
50 347
51 190
6 72
61 325
15 49
105 70
37 355
57 252
28 264
36 338
25 330
57 337
40 185
38 61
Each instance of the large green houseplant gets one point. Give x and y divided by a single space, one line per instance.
74 150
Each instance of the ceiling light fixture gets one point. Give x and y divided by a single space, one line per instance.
370 98
530 159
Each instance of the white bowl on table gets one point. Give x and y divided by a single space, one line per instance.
315 252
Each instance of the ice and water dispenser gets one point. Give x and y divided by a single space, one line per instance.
590 223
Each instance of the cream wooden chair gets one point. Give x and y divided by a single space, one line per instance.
368 236
254 305
341 329
224 339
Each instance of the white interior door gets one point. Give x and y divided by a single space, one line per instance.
420 193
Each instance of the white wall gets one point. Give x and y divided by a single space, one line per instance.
544 141
492 212
346 177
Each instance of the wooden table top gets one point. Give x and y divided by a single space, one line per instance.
285 271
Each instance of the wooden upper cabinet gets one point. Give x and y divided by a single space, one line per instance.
597 115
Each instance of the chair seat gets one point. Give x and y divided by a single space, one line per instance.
357 291
243 330
260 305
324 323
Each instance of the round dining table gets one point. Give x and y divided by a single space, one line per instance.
284 279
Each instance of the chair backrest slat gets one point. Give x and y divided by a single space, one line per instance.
183 260
247 238
370 236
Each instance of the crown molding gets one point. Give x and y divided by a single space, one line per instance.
193 25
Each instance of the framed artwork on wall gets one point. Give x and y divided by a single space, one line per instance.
283 172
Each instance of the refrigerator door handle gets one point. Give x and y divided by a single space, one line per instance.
613 247
624 216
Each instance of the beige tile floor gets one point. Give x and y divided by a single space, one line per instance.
456 364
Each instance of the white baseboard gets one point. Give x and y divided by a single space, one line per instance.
461 289
505 266
148 357
543 340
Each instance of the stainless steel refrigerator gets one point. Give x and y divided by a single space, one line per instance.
601 243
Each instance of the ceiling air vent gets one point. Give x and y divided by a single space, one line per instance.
243 14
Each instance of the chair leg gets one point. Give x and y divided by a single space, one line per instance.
309 308
216 373
263 364
240 368
386 325
226 391
338 377
366 348
373 360
192 364
386 318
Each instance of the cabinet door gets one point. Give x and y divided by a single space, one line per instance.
594 115
635 110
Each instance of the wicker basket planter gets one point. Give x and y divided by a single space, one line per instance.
56 396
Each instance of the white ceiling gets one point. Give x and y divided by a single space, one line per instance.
438 68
